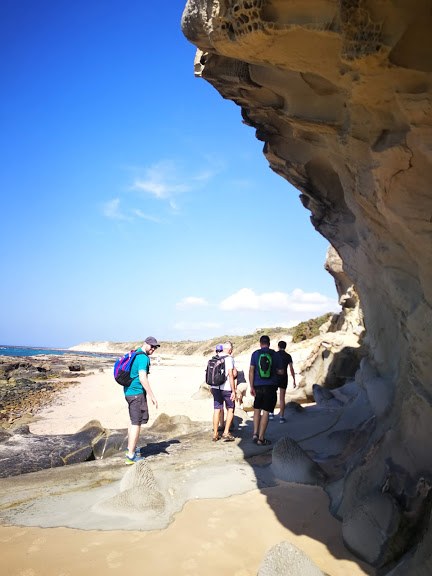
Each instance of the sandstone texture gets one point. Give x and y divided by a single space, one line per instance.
285 559
340 92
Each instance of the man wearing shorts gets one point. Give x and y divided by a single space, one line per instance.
136 396
286 360
224 394
264 389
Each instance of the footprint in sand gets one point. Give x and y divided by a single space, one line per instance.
36 545
115 559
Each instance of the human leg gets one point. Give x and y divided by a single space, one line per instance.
216 416
230 405
263 424
138 413
282 402
256 421
217 408
267 403
133 435
221 419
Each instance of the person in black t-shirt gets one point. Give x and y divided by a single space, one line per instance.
286 361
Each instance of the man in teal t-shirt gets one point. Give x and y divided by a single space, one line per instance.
136 396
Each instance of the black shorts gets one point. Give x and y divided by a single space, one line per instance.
138 409
266 397
283 381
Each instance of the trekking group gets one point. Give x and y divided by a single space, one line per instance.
268 372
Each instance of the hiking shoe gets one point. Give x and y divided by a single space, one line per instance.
282 420
271 416
137 452
136 458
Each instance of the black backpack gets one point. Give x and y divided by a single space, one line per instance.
265 364
215 372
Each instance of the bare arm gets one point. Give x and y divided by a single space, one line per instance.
232 384
292 374
251 379
146 385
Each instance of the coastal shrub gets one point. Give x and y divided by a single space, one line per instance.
309 329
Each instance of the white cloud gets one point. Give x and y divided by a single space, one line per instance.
111 210
141 214
162 180
191 302
297 301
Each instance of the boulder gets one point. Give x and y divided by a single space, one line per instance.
285 559
291 464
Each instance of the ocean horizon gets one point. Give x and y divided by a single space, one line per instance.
6 350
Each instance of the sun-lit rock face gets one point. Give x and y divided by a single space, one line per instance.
341 94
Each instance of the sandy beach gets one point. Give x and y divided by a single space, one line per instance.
212 536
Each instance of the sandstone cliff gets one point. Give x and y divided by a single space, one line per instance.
340 92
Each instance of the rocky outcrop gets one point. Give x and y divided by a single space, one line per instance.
285 559
341 95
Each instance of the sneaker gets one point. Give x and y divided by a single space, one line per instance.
271 416
282 420
137 452
136 458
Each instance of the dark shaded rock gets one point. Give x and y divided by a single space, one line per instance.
23 452
292 464
76 367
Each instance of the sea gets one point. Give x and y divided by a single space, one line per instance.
26 351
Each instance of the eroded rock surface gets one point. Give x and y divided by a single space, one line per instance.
341 94
285 559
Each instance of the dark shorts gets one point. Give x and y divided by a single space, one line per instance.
266 397
221 396
138 409
283 381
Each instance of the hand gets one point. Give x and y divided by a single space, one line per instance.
294 384
232 397
252 391
153 399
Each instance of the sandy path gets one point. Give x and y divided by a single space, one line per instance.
212 537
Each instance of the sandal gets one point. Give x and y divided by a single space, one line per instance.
228 438
216 438
255 438
263 442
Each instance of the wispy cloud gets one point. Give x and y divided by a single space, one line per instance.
191 302
111 209
163 181
141 214
297 301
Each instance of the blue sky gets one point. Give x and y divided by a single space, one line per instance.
133 199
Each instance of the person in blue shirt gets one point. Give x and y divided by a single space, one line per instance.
265 367
136 396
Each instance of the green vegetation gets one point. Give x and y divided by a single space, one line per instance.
242 344
309 329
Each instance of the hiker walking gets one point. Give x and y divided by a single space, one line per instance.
223 393
286 361
265 366
136 396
